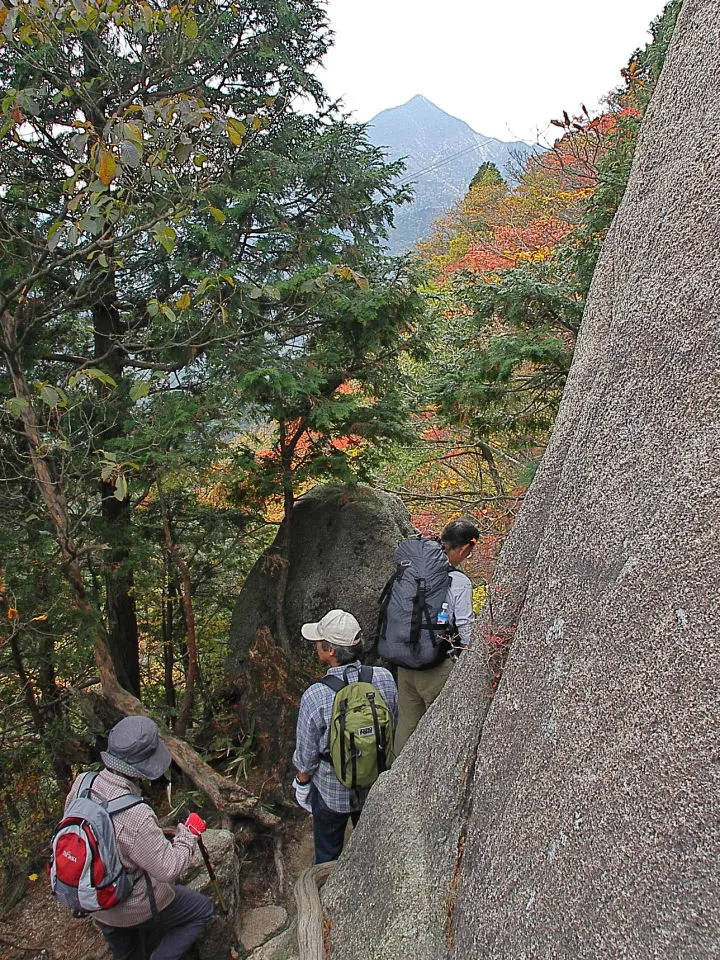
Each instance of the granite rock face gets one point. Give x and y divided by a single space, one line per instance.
342 556
581 820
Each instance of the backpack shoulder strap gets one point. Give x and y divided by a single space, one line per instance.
86 783
335 683
366 674
125 802
117 805
383 604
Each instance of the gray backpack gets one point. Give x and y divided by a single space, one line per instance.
86 873
408 634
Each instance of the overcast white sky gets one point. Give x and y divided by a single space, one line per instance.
506 67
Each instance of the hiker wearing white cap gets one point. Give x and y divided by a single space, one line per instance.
156 909
337 639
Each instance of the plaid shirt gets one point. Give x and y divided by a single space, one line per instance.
142 846
313 734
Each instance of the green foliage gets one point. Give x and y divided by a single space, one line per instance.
651 58
515 331
29 803
630 103
487 175
195 313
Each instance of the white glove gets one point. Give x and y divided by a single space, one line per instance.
302 794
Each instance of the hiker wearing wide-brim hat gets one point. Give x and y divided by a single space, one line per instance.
156 909
136 750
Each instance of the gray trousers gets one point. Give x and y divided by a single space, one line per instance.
178 926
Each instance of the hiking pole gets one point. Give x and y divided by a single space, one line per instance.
212 875
221 900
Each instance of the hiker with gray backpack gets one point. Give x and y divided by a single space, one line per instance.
112 861
344 737
426 618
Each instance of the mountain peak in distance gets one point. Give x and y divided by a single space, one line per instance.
442 154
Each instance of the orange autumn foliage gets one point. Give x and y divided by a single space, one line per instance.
495 228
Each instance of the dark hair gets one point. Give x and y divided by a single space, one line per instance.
343 655
458 533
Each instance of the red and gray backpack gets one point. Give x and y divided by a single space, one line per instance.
86 873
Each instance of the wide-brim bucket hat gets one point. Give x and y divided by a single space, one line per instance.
136 750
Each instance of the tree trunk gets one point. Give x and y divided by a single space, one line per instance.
108 330
284 541
120 592
51 706
26 686
488 457
168 644
174 552
227 796
282 559
117 568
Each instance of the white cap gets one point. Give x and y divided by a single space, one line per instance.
337 627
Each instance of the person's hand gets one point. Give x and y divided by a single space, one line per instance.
302 794
195 824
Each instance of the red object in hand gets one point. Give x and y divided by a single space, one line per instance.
195 824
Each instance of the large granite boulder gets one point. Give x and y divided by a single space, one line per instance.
341 556
581 819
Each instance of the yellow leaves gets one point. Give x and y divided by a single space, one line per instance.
236 130
121 487
188 23
347 273
33 877
534 256
25 34
107 168
140 389
13 613
190 28
133 132
166 236
183 302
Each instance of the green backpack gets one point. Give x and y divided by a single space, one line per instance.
361 731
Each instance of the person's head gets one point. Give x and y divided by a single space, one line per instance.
458 539
135 749
336 637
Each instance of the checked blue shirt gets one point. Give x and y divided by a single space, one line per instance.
313 733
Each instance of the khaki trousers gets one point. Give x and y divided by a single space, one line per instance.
416 691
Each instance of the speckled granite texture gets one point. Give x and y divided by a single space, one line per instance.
582 821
